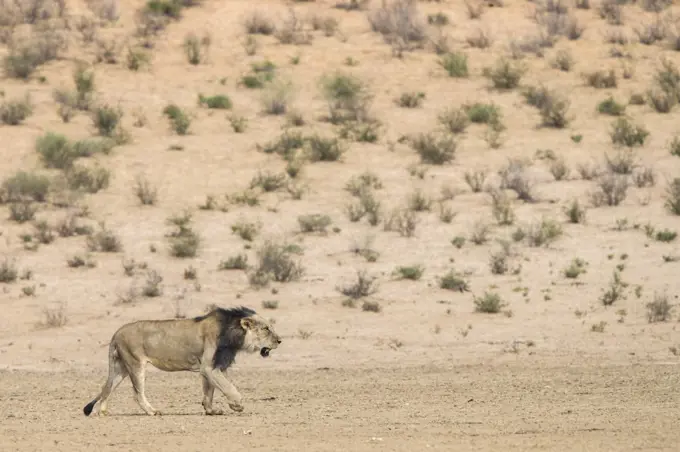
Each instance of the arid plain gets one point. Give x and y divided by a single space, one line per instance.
460 216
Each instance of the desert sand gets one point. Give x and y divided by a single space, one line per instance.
486 317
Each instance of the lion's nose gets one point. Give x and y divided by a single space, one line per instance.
278 341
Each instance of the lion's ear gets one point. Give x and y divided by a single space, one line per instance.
247 323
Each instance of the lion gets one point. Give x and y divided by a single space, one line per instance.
206 344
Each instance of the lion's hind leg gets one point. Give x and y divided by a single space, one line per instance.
116 377
117 374
136 370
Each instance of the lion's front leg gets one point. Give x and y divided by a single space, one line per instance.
208 392
217 378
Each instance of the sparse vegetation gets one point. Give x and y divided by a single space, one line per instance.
490 303
184 241
454 281
659 309
443 148
277 262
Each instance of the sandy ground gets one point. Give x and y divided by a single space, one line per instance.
555 370
520 406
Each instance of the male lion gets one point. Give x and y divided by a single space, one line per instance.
207 344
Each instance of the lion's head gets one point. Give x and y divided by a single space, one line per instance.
260 336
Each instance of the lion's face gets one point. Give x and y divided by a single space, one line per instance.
260 336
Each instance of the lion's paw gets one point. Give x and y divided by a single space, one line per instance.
236 407
214 412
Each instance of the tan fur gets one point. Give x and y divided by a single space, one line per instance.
179 345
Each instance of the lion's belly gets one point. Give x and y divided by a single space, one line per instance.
174 352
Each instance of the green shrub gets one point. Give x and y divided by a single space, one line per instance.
218 101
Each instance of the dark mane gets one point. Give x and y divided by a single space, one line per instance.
231 334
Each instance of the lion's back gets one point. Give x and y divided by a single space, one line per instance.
166 343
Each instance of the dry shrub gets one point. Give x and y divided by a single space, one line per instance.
258 23
105 9
276 261
612 190
401 25
293 31
26 54
514 176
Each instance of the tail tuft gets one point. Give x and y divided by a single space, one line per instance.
88 408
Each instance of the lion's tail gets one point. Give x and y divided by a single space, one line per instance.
113 358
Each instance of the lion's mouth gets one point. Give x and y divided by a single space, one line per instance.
264 351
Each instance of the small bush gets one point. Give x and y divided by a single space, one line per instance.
247 231
411 99
14 112
270 304
145 192
314 223
152 286
8 271
371 306
601 79
404 221
55 151
622 162
347 97
454 281
277 97
625 133
179 120
483 113
22 211
543 233
136 59
612 190
54 317
514 176
363 286
237 262
659 310
400 24
575 213
286 145
412 272
506 74
615 290
674 146
104 240
433 148
196 49
475 180
258 23
276 261
25 186
322 149
455 64
665 236
563 61
90 180
610 107
106 120
268 182
575 268
490 303
218 101
501 208
672 202
238 123
454 120
184 242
